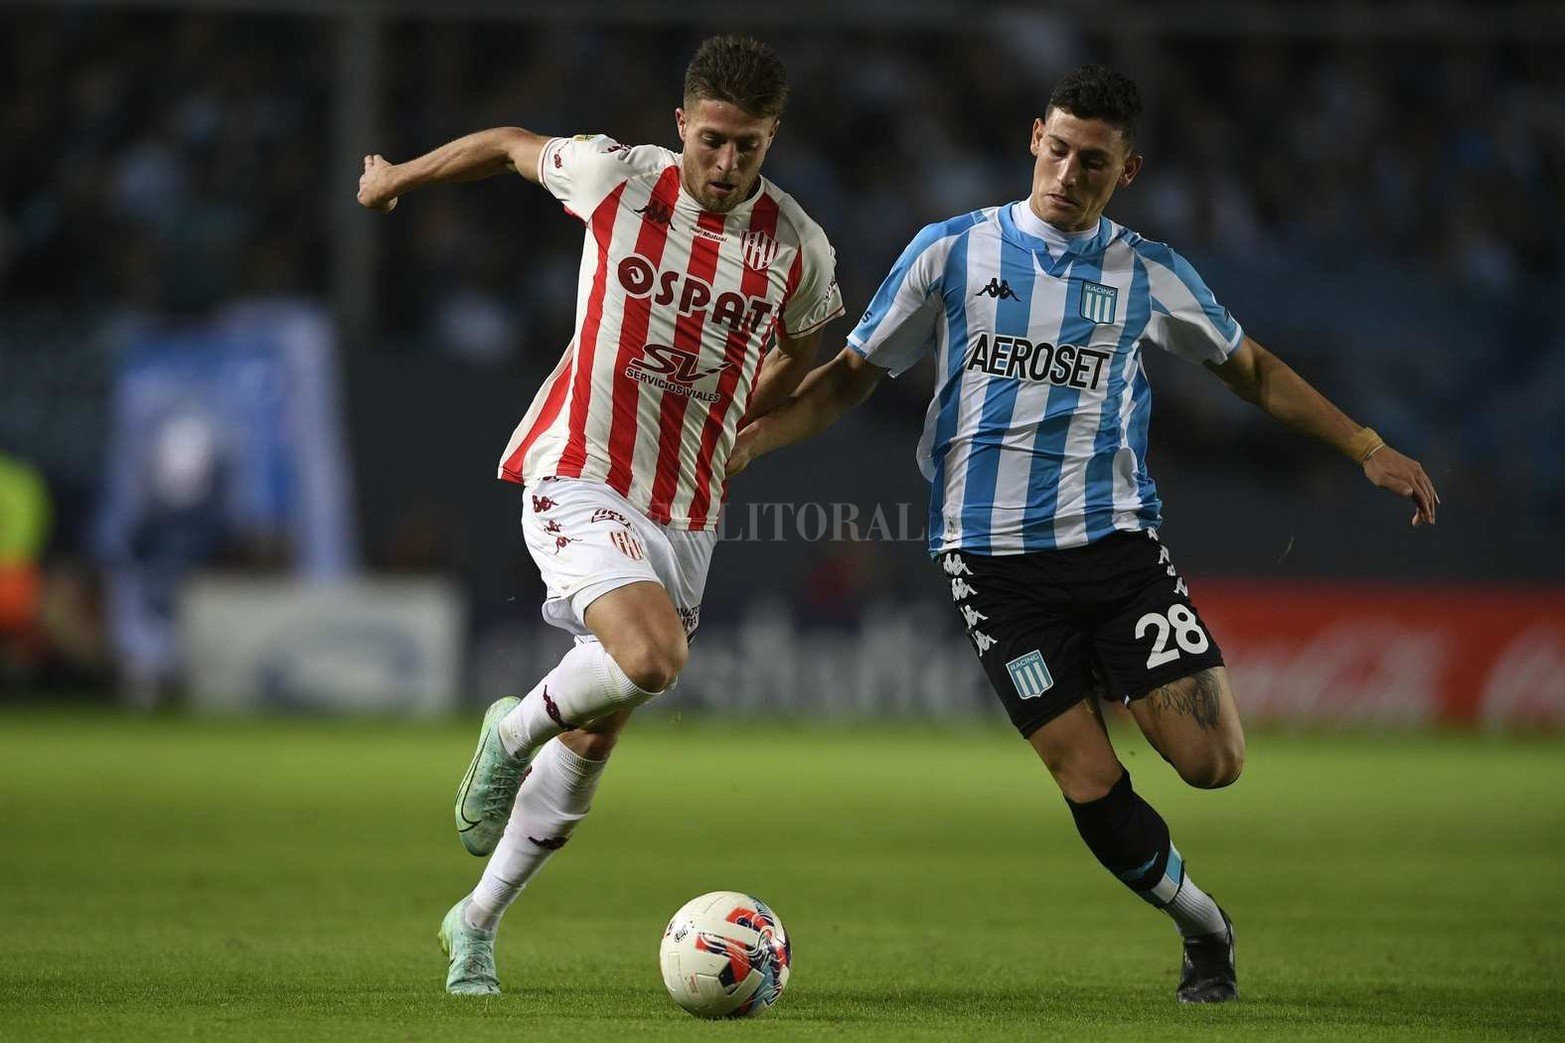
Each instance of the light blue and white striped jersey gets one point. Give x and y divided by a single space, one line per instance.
1037 434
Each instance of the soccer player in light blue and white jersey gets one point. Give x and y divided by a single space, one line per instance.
1042 514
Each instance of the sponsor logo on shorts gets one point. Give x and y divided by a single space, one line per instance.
954 565
541 504
628 545
552 526
1030 676
960 589
691 618
604 514
561 542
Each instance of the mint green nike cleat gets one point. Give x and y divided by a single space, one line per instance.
484 799
472 970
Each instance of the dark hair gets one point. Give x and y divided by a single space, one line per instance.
739 70
1097 92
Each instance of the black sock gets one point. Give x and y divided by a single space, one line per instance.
1131 840
1126 834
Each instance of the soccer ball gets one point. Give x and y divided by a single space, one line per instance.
725 955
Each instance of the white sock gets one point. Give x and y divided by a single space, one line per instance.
1194 911
555 795
586 685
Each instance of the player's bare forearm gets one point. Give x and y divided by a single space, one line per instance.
469 158
784 367
1258 376
824 395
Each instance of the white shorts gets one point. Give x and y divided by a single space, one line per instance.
588 540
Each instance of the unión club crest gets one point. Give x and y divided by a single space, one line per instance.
628 545
759 249
1097 302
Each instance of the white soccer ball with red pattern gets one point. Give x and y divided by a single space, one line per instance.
725 955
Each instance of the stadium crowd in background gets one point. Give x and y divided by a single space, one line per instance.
168 160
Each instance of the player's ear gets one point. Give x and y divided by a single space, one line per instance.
1037 136
679 121
1132 168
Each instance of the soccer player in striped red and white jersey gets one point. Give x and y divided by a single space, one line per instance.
703 290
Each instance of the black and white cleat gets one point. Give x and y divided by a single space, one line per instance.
1208 973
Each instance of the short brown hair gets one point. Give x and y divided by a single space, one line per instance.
739 70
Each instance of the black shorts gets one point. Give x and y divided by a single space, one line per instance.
1053 627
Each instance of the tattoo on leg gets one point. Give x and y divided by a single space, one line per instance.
1198 696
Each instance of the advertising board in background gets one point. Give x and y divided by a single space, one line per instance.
384 646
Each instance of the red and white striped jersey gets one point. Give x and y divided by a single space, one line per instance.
675 306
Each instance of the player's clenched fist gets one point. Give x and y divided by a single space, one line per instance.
375 188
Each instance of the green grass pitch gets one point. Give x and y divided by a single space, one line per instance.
166 878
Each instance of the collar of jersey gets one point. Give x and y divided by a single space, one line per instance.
1049 262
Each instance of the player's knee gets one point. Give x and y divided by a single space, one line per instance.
1219 765
1083 779
653 665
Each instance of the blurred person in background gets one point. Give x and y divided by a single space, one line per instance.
693 266
1042 513
169 520
24 531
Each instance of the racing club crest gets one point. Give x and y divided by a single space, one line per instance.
1097 302
759 249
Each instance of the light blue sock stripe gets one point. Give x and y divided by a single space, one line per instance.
1163 892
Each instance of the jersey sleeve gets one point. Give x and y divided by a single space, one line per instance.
581 171
1186 318
899 326
815 299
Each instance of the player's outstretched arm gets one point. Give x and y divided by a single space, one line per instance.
825 394
784 367
1258 376
469 158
